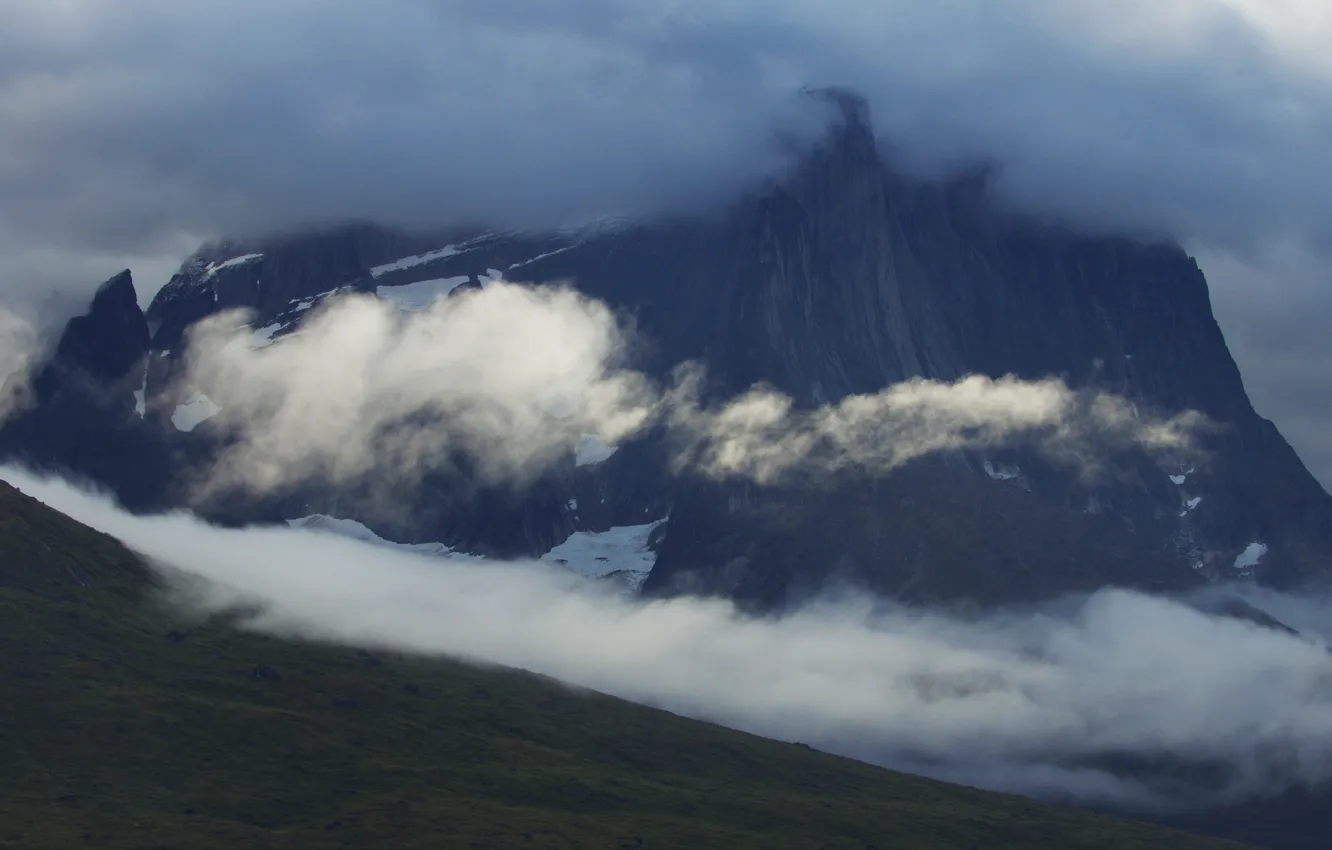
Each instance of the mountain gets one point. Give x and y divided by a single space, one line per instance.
127 727
842 277
80 410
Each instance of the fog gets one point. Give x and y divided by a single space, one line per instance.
515 375
1018 700
130 129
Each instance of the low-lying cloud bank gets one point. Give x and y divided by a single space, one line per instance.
514 375
1028 701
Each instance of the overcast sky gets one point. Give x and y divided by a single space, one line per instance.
131 129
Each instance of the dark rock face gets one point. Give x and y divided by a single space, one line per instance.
926 534
81 415
266 275
111 339
843 277
846 278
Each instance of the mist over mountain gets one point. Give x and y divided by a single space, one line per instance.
1062 700
131 132
629 297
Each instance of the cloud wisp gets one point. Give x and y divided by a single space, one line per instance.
20 349
1044 701
760 435
512 376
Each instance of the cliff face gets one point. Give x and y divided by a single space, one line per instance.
84 406
847 277
843 277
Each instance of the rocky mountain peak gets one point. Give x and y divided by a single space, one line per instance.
111 337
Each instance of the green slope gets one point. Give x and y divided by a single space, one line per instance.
123 729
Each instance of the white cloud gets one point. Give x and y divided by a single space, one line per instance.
759 435
1022 700
515 376
512 375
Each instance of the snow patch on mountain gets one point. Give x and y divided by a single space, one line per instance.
600 554
263 337
141 394
213 268
197 409
422 293
323 523
1251 556
591 450
1190 505
542 256
620 552
1002 473
413 261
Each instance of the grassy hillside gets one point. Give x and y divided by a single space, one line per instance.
124 729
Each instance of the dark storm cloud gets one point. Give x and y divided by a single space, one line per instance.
137 118
130 129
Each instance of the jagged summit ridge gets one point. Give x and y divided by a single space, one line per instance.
111 337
